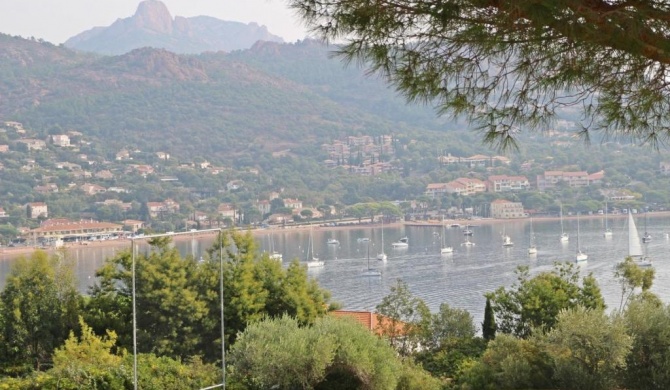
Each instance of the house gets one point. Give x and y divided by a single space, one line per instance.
436 190
226 210
504 183
572 179
46 189
118 190
68 166
159 208
143 170
104 175
234 185
61 140
37 209
465 186
32 144
292 203
4 148
505 209
263 206
92 189
478 160
3 213
123 154
373 322
63 228
163 155
133 225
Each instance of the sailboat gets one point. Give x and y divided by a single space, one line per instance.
313 261
646 237
445 250
371 271
381 255
467 242
401 243
532 249
634 246
274 255
608 231
580 256
506 240
564 236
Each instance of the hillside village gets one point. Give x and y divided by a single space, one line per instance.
128 191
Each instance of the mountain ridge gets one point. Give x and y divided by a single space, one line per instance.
152 25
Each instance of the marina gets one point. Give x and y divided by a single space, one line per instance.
460 279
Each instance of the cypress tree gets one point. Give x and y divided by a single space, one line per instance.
489 324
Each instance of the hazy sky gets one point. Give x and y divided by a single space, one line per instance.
57 20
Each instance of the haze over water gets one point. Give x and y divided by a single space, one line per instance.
460 279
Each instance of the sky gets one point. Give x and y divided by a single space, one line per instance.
57 20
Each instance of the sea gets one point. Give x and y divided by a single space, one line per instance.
460 279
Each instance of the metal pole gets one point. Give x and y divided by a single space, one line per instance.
223 335
132 248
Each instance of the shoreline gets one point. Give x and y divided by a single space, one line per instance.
15 252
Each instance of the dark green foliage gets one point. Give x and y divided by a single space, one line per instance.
39 307
509 67
534 302
648 364
178 300
489 324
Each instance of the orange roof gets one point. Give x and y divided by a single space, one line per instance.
368 319
63 224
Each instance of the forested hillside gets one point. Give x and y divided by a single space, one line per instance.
266 117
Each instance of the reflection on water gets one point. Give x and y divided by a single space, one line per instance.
459 279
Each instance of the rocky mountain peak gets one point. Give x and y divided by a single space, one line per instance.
153 15
152 25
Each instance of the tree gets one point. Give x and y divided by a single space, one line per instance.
588 348
510 64
489 324
448 323
535 302
402 318
332 353
169 306
632 278
508 363
40 305
647 366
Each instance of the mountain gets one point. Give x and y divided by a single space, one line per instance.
219 105
152 25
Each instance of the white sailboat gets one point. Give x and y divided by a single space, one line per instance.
532 249
312 261
371 271
634 246
506 239
467 242
274 255
608 231
580 256
564 236
401 243
381 256
445 250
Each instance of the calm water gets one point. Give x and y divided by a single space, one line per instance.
460 279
